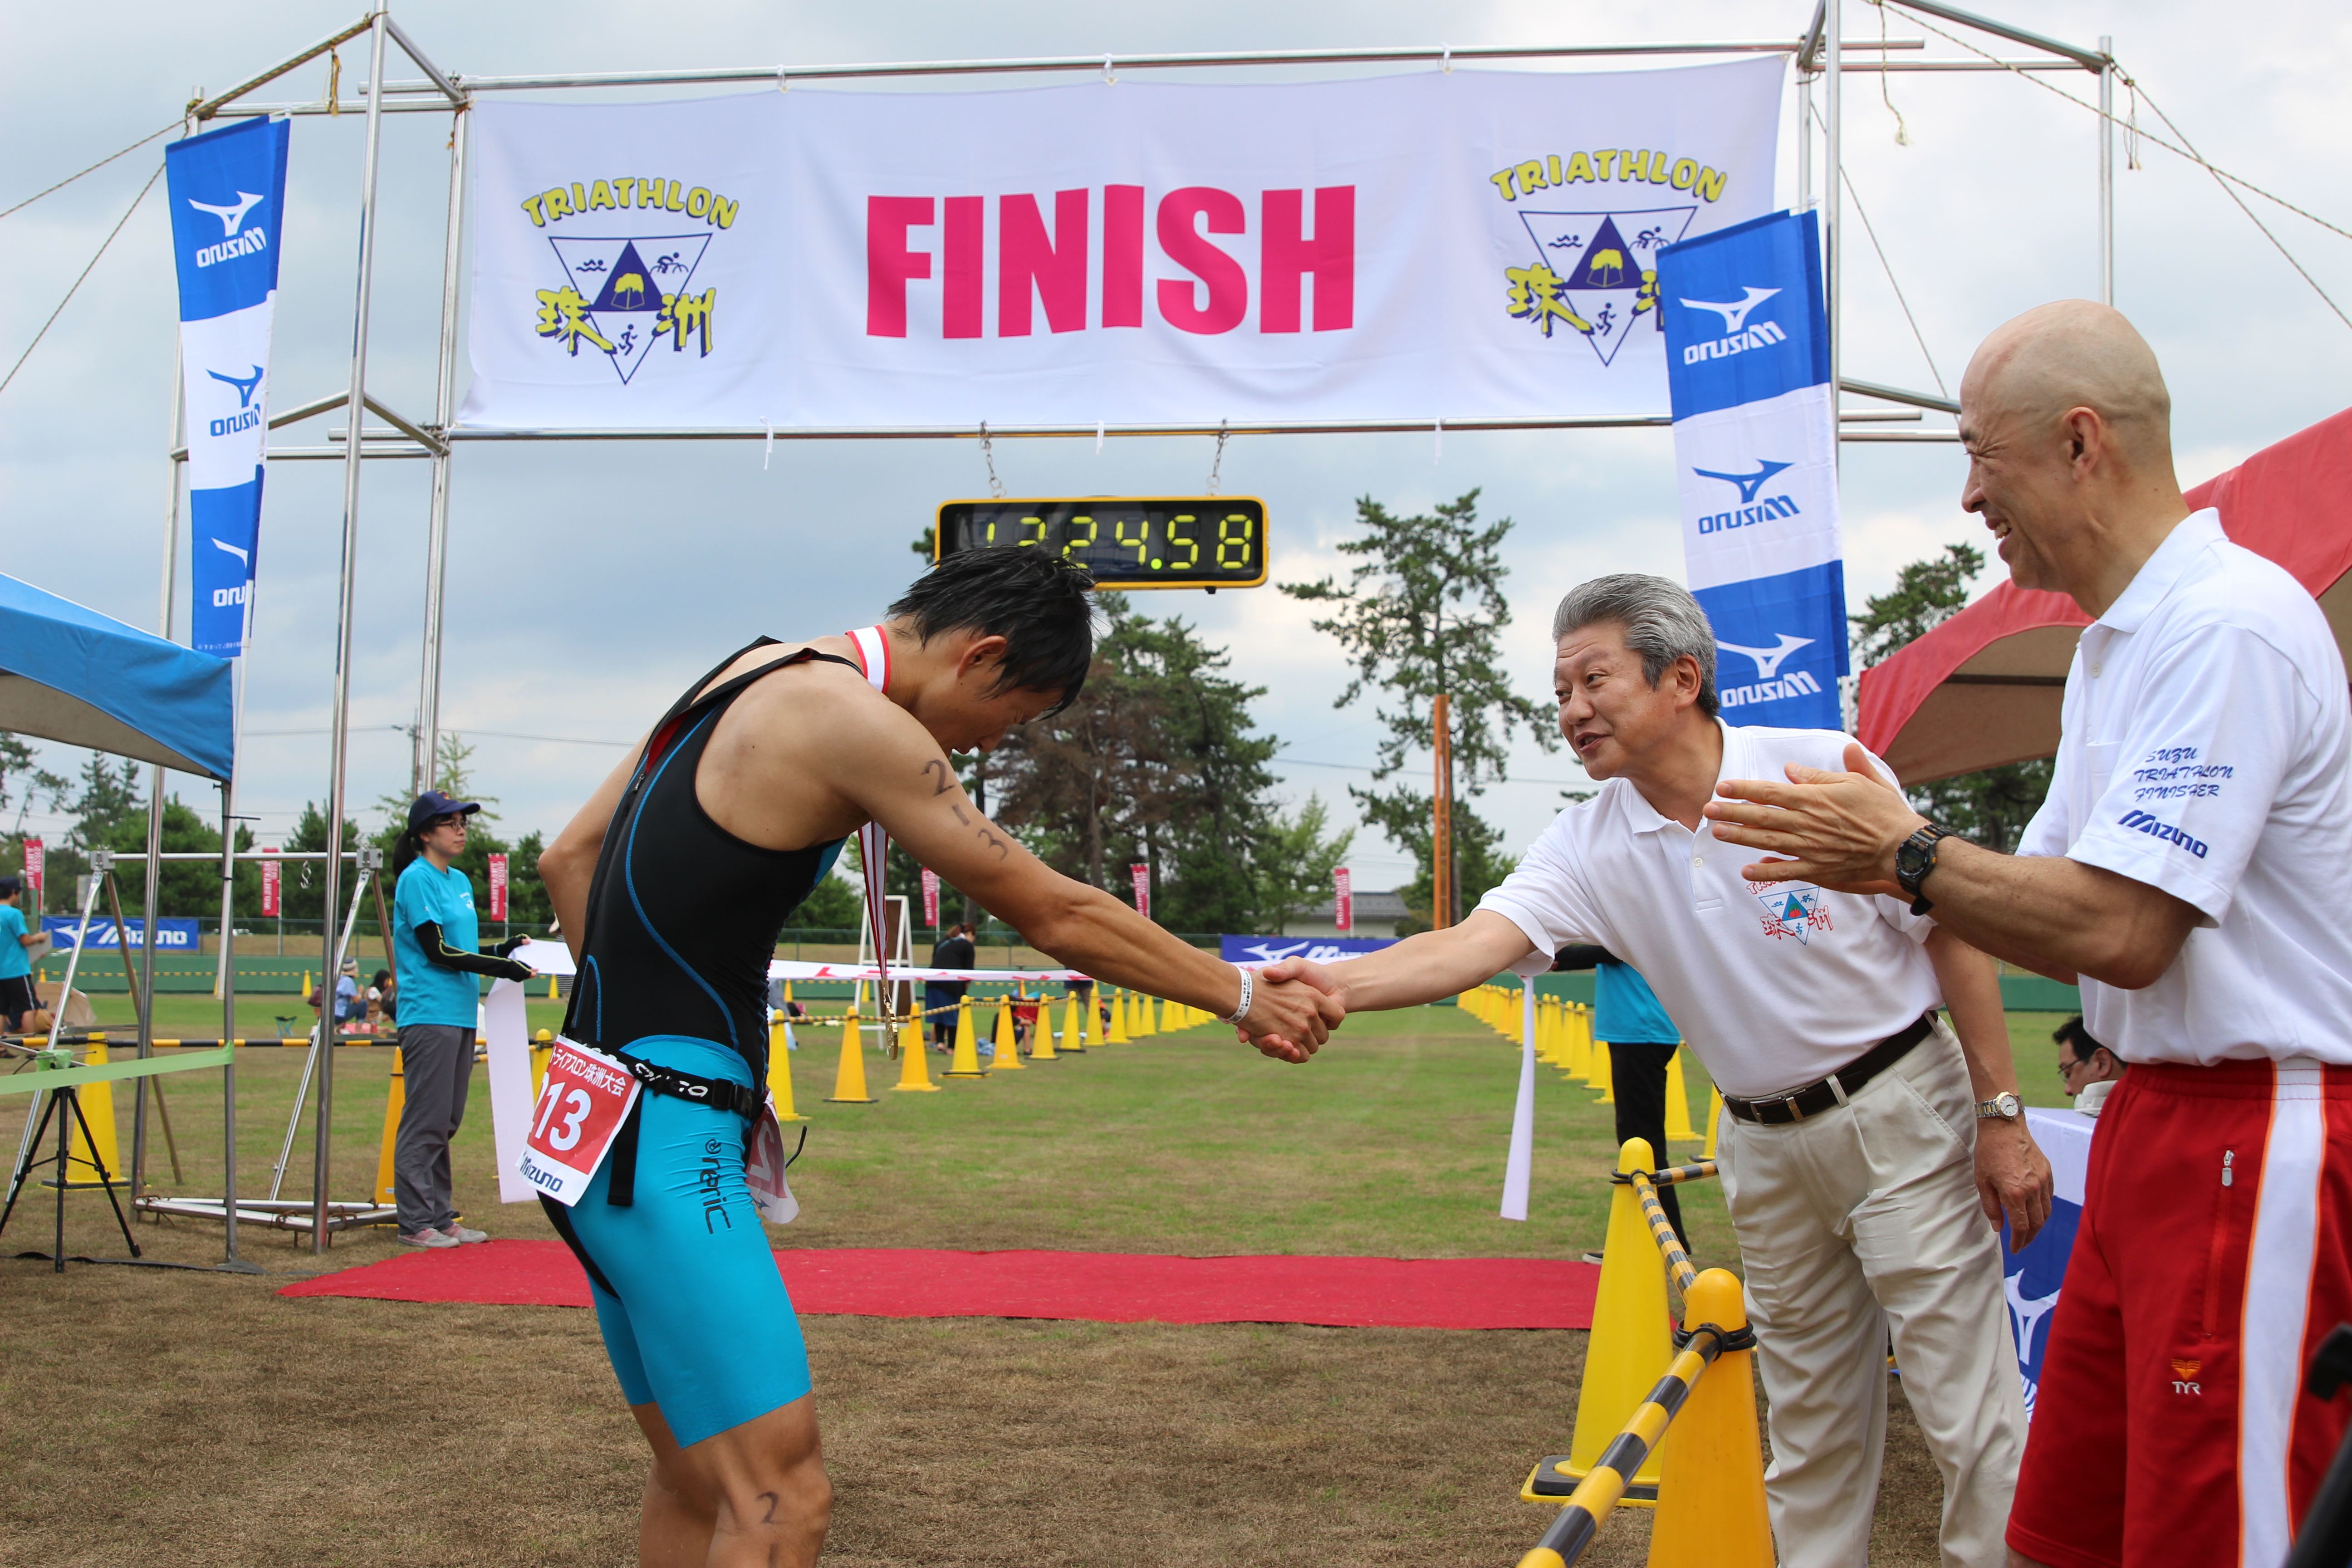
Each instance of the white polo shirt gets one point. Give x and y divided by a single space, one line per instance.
2207 738
1775 984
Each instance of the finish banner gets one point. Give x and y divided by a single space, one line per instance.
1756 446
227 192
1443 246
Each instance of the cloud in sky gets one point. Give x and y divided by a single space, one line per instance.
589 583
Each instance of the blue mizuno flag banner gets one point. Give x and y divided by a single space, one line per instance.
228 200
1756 451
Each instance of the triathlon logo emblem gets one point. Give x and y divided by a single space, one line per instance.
621 294
1594 273
1792 910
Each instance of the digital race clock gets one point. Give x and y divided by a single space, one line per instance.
1185 541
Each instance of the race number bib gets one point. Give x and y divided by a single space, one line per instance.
587 1097
763 1168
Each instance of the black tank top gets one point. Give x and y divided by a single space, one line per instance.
683 916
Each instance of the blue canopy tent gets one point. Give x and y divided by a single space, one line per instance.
70 674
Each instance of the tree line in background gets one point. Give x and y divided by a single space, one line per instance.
1160 761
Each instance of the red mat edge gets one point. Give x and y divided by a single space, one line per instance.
395 1278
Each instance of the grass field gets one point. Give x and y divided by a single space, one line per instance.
200 1416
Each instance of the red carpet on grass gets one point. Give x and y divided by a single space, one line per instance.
1100 1286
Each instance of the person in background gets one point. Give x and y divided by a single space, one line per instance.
436 942
17 997
351 1007
954 950
1024 1019
2090 1070
383 1006
1642 1040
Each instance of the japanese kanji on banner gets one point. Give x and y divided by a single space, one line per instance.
1435 245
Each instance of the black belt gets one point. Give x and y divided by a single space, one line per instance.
723 1094
1836 1088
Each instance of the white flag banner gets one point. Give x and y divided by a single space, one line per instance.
1444 246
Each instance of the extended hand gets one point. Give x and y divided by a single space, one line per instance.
1292 1012
1840 830
2012 1179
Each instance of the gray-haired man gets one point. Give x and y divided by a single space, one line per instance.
1859 1176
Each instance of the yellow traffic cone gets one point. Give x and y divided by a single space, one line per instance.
1008 1047
96 1102
1117 1035
849 1081
542 1046
393 1098
551 987
1073 1034
780 1071
1678 1121
966 1061
1605 1075
306 985
914 1065
1582 1055
1630 1342
1711 1510
1714 1121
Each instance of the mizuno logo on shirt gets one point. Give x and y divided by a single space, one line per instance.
2164 830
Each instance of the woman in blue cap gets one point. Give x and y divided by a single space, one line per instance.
437 945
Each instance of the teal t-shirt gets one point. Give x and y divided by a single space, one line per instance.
1626 1009
13 963
428 993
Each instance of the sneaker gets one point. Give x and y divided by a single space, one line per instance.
427 1238
457 1232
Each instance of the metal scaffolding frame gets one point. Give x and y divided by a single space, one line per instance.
1820 56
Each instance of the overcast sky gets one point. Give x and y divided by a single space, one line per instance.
588 583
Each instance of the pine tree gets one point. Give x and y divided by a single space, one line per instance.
1423 615
1992 807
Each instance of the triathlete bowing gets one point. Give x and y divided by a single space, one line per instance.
672 884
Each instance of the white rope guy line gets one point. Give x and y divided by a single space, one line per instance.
102 164
1888 268
2129 127
83 279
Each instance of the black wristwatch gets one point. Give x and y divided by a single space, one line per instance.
1915 860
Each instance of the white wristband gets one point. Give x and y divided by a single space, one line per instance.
1249 985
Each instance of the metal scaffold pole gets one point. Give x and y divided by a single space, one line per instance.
355 411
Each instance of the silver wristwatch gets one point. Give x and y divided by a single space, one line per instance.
2004 1105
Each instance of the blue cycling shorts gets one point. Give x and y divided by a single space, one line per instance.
695 1316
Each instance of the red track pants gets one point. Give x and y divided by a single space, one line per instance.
2214 1254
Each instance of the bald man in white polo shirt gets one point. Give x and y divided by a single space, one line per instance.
2188 867
1864 1187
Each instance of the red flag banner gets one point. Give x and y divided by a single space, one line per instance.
498 886
930 897
33 858
1343 899
1141 875
273 873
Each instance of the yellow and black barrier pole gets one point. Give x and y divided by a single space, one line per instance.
1679 1267
1596 1497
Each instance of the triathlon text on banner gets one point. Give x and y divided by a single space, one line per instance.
1756 448
1435 245
273 880
498 886
227 193
1343 901
930 897
1140 875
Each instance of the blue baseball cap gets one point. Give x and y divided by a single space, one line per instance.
433 804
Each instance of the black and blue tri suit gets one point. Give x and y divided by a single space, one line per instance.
683 918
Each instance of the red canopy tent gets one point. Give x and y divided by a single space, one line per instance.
1984 689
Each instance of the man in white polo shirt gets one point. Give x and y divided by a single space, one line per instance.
1864 1187
2188 867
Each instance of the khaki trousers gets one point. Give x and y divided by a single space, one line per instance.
1859 1220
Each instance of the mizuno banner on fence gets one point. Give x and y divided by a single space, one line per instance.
1756 446
1446 246
227 192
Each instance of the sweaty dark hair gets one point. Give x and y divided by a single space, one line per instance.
1037 603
